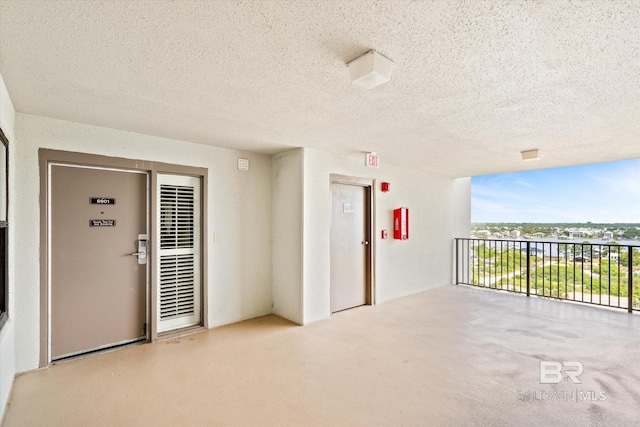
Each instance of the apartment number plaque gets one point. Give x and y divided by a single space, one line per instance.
102 201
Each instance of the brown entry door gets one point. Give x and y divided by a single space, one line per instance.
349 247
98 288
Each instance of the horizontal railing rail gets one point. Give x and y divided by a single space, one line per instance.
600 274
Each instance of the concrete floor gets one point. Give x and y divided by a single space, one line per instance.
450 356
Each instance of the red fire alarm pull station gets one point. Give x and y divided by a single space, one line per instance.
386 187
401 223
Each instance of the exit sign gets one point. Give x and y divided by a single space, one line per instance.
372 160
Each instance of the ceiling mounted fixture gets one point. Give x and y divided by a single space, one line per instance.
370 70
530 155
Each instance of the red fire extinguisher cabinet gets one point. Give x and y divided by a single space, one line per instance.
401 223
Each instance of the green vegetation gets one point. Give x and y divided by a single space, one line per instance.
632 233
599 279
628 231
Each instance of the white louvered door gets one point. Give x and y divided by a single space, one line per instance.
178 246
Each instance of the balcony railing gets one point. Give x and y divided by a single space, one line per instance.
600 274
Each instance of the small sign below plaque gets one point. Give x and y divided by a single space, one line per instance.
102 223
102 201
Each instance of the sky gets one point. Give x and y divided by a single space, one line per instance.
599 193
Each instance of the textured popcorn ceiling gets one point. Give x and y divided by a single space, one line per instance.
475 82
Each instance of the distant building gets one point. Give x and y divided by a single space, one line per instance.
607 235
579 232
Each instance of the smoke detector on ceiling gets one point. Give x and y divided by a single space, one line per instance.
370 70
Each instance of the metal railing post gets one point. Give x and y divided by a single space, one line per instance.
528 268
630 279
457 261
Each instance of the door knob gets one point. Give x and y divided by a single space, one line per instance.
365 242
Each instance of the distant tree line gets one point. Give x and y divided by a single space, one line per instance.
629 230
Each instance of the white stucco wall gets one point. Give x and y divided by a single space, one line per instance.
239 209
7 353
438 212
273 224
287 202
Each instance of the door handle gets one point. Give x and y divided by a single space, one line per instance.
142 249
365 242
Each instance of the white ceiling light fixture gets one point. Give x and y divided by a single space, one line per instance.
370 70
530 155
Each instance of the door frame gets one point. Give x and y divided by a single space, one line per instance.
47 157
368 184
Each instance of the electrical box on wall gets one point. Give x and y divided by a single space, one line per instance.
401 223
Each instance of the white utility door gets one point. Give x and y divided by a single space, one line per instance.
349 247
